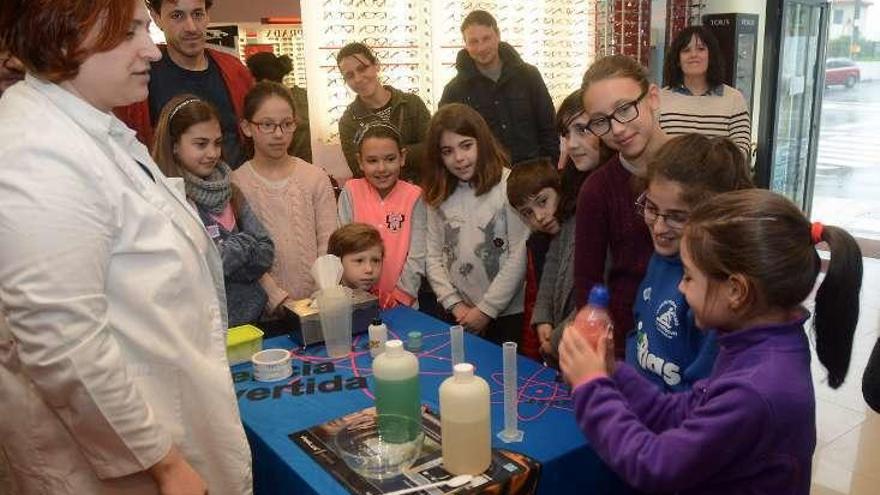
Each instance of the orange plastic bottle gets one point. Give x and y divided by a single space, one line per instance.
593 320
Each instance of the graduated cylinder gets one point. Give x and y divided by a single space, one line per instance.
465 422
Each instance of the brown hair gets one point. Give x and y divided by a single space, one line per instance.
764 237
255 98
48 36
439 183
615 66
672 74
356 48
354 238
178 115
701 165
268 66
480 18
527 179
572 178
156 5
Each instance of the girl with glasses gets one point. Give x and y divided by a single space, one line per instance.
665 345
612 244
189 145
695 98
291 197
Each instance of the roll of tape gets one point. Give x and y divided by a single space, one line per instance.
272 365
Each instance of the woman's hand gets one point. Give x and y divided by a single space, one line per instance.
174 475
581 363
476 321
544 330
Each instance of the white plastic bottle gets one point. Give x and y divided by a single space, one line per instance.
396 378
377 333
465 421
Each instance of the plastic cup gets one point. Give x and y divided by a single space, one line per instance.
334 308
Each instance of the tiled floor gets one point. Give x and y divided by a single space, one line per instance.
847 459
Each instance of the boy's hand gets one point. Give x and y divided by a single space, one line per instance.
544 330
581 363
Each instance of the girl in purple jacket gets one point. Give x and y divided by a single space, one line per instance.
750 427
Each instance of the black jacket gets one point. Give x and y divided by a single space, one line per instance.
518 107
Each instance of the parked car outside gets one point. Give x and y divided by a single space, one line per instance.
842 71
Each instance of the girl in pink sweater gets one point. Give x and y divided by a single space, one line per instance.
292 198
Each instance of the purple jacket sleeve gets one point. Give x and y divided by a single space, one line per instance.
657 409
709 437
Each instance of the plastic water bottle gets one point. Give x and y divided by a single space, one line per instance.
465 422
378 334
396 376
593 320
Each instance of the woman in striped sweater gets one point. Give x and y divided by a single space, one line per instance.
695 98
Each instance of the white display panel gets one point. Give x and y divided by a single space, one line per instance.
416 42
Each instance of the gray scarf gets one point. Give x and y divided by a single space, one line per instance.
212 193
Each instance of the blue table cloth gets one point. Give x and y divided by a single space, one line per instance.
322 389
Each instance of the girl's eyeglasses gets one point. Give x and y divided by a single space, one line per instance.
675 220
287 127
622 114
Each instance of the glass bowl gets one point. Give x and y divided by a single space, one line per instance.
380 446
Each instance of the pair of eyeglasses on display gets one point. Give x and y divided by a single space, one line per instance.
347 15
339 28
675 220
623 114
269 127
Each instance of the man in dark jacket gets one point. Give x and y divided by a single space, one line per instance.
509 93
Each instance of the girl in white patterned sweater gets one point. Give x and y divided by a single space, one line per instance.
476 241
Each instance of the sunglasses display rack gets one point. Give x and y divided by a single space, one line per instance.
623 27
681 14
417 41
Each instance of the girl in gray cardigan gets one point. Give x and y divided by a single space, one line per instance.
546 200
188 145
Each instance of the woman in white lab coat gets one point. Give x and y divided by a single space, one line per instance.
113 373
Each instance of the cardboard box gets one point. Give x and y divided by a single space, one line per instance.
306 322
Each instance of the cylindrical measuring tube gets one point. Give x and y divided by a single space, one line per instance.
511 431
456 340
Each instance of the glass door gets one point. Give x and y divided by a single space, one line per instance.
789 156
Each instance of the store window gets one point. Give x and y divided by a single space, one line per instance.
838 16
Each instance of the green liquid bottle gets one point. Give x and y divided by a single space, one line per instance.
398 402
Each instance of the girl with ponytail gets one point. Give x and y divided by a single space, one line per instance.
749 262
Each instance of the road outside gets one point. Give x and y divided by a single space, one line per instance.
847 191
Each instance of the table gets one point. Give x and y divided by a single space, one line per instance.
327 389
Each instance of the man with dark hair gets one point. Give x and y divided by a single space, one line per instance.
509 93
188 66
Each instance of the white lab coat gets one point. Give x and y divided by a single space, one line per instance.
113 295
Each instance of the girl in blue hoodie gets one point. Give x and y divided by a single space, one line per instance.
665 345
749 262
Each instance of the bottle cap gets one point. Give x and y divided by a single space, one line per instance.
463 370
376 321
394 347
598 296
414 341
